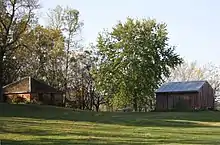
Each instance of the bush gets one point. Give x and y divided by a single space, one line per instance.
18 100
127 109
34 101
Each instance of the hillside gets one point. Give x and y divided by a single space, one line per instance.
35 125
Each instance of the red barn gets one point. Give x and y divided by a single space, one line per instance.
193 94
32 90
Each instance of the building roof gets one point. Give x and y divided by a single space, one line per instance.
32 86
187 86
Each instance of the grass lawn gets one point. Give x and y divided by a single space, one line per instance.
35 125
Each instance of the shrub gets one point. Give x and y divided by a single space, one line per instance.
35 101
18 100
127 109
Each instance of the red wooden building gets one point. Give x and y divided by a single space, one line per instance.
32 90
194 94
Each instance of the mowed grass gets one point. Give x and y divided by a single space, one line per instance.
36 125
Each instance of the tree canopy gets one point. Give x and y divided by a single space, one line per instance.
134 57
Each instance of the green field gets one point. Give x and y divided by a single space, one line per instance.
35 125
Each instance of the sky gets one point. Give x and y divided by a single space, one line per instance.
193 25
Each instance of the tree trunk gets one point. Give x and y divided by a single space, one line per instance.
64 97
91 98
1 76
97 107
66 68
139 108
151 105
145 108
135 104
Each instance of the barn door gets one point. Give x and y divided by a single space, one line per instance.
40 96
52 99
170 102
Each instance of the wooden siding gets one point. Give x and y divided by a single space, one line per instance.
48 98
168 101
34 91
206 96
161 102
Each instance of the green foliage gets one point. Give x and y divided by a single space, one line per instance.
41 56
15 17
134 57
18 100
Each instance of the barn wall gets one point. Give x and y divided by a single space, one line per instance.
206 96
58 98
41 87
20 86
168 101
189 98
47 98
211 100
211 96
161 102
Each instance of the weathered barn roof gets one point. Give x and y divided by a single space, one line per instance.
29 85
188 86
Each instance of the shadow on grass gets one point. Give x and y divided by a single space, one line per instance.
94 141
42 133
102 135
72 142
163 119
31 128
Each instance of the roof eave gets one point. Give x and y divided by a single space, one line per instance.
178 92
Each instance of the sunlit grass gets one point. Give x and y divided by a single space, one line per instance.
25 124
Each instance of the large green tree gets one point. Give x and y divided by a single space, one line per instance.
46 55
15 18
41 56
134 58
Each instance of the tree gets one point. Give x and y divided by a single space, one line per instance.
15 64
41 56
212 75
191 71
187 72
46 55
134 58
15 17
82 93
67 20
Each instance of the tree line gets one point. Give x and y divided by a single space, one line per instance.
123 68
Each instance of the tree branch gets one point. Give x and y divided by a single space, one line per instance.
21 32
1 21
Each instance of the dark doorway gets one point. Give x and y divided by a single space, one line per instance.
52 98
40 95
